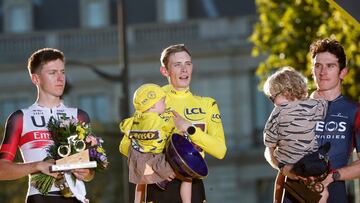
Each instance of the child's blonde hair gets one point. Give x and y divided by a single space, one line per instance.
288 82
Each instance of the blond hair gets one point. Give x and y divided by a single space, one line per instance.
288 82
165 54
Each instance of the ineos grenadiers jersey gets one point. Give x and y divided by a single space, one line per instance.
341 129
27 129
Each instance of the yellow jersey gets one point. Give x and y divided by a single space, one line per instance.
148 133
203 113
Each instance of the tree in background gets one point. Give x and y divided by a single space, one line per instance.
286 28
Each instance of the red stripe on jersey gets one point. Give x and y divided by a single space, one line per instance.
12 134
41 144
5 151
42 135
357 122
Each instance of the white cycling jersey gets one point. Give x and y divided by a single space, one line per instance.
27 129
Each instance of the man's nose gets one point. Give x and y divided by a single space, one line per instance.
323 70
183 68
60 77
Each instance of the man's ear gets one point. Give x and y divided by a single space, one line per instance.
164 71
34 79
343 73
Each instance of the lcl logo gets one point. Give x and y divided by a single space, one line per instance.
194 114
194 111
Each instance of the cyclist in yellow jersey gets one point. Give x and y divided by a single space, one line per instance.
147 132
198 116
193 110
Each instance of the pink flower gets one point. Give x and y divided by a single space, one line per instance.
92 140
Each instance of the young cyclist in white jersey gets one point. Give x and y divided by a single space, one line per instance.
27 129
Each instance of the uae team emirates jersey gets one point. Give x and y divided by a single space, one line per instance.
26 129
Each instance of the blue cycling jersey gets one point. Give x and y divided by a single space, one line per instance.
341 129
338 128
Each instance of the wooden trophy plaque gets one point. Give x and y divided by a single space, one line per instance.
75 161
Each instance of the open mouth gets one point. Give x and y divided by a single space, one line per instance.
184 77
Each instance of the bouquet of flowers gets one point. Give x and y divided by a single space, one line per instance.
70 137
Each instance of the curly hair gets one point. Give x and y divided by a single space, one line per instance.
288 82
329 45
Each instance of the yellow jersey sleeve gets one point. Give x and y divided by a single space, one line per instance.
125 143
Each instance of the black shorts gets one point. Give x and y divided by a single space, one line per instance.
172 193
52 198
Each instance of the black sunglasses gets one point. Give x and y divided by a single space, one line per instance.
273 97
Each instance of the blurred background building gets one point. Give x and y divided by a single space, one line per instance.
215 31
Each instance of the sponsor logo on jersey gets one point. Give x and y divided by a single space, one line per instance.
35 135
330 130
331 126
167 115
144 135
37 139
61 114
42 135
216 118
194 114
37 112
333 137
38 120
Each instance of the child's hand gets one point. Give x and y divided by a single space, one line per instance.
171 177
329 179
286 171
324 195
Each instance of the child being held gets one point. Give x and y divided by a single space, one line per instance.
149 131
289 131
